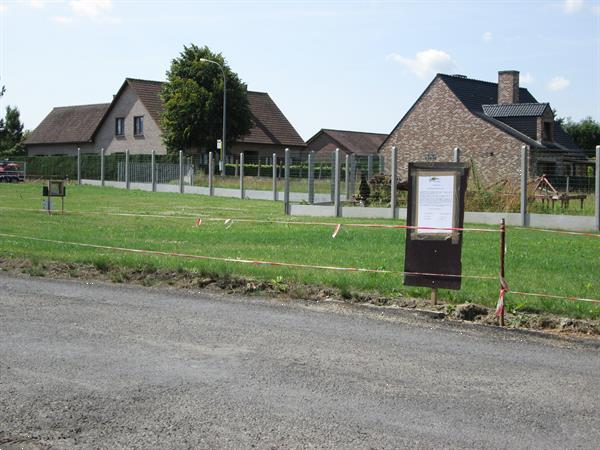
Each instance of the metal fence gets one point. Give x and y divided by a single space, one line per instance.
547 184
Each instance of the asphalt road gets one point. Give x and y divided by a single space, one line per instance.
113 366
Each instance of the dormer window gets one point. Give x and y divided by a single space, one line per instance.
547 134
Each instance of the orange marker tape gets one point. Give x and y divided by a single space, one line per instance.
337 230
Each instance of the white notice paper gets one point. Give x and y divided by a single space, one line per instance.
435 203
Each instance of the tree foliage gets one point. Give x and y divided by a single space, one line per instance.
193 102
11 133
585 133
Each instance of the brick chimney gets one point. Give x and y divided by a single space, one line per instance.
508 87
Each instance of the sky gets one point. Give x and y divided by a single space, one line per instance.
351 65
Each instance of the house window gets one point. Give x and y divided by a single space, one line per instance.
120 126
138 126
547 131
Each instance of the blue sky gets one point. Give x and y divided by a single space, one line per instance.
355 65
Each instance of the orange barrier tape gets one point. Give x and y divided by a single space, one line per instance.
500 304
281 222
244 261
337 230
560 297
575 233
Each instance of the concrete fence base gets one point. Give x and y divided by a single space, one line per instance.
548 221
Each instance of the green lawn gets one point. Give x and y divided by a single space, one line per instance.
322 186
536 261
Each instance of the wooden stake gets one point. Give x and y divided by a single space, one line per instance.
502 247
434 295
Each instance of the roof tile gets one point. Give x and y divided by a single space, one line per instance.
515 110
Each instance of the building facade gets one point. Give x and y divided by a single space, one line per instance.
489 122
358 143
132 122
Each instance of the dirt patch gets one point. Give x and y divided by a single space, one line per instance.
149 275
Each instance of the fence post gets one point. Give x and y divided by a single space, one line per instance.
311 177
211 173
102 167
153 170
242 175
336 199
332 177
352 176
236 168
369 167
190 168
347 176
274 177
286 192
456 155
524 174
126 168
394 183
78 165
597 187
181 171
381 163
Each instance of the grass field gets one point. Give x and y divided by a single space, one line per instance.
536 261
322 186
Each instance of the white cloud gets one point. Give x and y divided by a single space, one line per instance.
526 78
426 62
91 8
572 6
487 36
558 84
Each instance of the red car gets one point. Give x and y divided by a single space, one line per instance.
11 172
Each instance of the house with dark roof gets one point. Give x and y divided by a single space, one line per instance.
65 129
132 121
489 122
358 143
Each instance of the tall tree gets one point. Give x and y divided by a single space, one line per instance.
585 133
193 102
11 133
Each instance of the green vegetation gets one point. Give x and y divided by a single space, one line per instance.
585 133
193 101
12 134
536 261
262 183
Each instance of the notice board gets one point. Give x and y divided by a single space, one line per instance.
436 205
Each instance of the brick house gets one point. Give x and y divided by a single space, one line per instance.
358 143
132 121
489 122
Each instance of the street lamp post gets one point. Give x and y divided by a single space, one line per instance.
222 166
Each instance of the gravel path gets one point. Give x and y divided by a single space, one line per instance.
112 366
